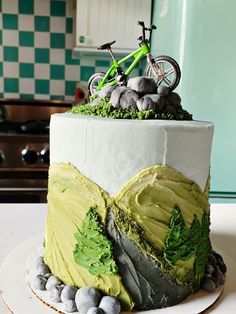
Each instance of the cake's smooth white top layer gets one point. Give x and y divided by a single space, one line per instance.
111 151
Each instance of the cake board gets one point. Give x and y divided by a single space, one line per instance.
20 298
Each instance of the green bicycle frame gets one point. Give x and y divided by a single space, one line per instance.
137 55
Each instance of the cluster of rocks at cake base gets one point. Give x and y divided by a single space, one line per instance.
86 300
141 93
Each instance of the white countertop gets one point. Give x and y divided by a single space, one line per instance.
20 222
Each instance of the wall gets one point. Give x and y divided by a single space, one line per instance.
201 36
37 38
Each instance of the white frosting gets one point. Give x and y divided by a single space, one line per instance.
110 151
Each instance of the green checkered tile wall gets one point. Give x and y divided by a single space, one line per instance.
36 42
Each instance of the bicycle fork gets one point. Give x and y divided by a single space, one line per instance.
155 67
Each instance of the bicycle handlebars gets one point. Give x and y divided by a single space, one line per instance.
149 29
141 23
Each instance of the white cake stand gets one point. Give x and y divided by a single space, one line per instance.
21 298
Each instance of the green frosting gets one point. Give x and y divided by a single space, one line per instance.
150 197
106 110
93 249
168 208
159 209
70 194
178 243
131 228
203 246
186 249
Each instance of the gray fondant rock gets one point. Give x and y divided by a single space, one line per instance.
55 294
70 306
173 99
158 100
149 287
142 85
129 99
145 103
68 293
160 103
95 310
162 90
95 102
106 91
42 269
208 284
116 95
85 298
39 282
154 97
39 262
110 305
171 109
52 282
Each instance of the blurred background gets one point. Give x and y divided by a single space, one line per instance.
48 51
201 35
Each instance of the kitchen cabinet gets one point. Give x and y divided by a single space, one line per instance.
101 21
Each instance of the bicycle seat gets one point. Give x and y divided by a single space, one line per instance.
106 46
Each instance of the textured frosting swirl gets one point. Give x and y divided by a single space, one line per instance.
139 220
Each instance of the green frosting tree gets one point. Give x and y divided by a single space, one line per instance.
93 249
204 246
183 243
177 244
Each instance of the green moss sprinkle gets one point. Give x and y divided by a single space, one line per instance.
106 110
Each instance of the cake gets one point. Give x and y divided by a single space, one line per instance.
128 210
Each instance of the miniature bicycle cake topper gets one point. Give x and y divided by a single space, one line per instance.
115 95
164 69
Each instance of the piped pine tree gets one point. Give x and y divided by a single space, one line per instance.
203 248
93 249
177 241
186 249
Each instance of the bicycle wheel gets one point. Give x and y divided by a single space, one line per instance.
166 71
94 81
